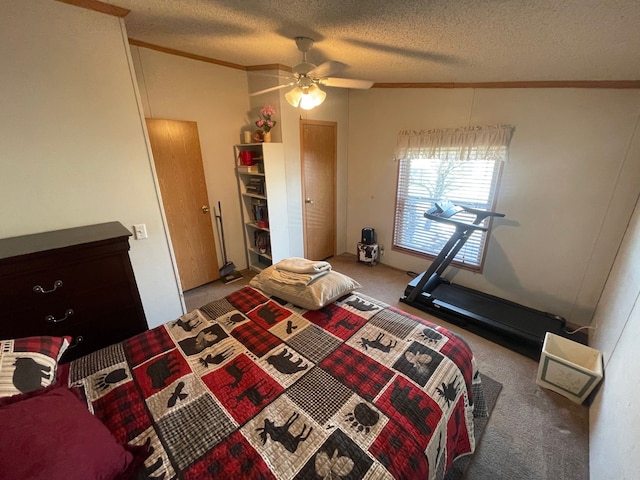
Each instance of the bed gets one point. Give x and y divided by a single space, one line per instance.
256 386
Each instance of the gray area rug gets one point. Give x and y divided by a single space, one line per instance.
491 391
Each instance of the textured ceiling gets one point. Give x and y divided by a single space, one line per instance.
407 40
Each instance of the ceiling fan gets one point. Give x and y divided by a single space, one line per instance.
308 77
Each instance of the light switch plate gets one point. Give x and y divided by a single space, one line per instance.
140 231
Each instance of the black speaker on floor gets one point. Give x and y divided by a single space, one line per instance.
368 236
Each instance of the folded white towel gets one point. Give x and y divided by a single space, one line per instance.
291 278
302 265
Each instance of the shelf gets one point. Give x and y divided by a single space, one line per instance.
269 197
256 226
254 195
257 252
254 174
254 169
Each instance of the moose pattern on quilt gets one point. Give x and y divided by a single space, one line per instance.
252 387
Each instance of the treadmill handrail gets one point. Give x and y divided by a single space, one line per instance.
485 213
481 215
455 223
463 231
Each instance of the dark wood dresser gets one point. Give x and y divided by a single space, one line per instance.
76 282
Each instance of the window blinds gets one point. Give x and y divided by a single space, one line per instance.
452 167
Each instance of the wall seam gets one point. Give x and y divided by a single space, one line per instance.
152 169
602 223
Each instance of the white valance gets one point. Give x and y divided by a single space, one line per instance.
456 143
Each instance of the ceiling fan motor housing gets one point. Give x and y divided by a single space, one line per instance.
303 68
304 44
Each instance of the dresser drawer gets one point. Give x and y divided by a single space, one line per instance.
62 283
91 328
61 314
88 337
104 331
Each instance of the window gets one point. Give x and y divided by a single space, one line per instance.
462 166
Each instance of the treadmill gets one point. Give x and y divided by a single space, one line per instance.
512 325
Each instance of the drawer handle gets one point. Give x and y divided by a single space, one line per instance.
52 319
56 285
79 339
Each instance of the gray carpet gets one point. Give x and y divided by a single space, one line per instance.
532 434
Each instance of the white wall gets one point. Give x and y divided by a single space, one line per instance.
614 418
73 149
178 88
334 109
568 189
287 132
216 97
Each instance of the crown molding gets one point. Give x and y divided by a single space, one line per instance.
613 84
98 6
273 66
620 84
180 53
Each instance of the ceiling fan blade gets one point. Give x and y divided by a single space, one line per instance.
346 83
271 75
271 89
325 69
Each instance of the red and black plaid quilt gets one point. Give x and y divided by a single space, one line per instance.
252 387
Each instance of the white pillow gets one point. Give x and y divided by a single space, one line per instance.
322 291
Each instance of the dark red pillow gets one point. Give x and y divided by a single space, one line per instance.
50 435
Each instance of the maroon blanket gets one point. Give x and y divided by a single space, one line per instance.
249 387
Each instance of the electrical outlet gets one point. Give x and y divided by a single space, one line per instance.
140 231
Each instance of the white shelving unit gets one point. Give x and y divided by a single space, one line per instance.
268 210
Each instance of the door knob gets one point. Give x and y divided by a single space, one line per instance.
308 200
205 209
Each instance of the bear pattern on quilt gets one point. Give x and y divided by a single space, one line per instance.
250 386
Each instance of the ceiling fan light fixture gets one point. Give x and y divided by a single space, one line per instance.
294 96
312 97
305 97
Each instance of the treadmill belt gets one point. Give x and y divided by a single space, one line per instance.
500 313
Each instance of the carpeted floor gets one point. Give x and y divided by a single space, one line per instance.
532 433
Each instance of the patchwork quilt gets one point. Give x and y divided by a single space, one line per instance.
252 387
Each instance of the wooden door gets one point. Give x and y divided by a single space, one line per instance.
178 159
318 145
